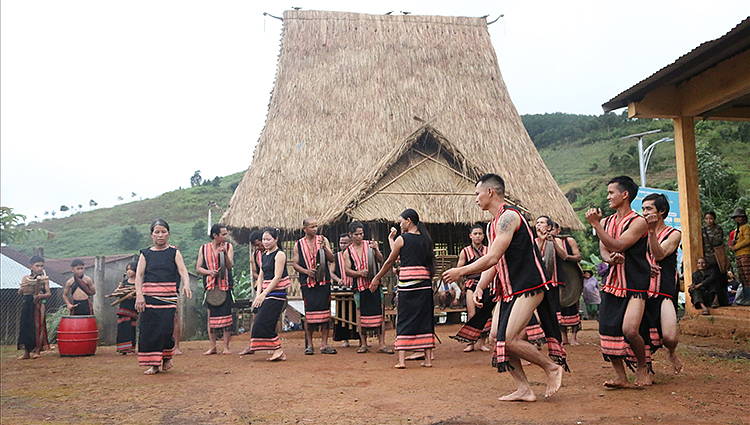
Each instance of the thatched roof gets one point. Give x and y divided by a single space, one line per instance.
361 101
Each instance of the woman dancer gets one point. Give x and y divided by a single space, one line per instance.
126 314
273 280
156 298
415 326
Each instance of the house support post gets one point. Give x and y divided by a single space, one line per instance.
690 205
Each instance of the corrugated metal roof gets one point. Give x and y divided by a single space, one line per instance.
11 273
703 57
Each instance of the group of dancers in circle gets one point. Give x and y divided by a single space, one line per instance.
512 289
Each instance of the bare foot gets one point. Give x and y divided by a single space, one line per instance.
153 370
469 348
209 352
246 351
277 358
177 352
24 357
676 363
643 378
554 381
166 364
575 343
485 348
345 344
419 355
525 363
520 395
425 364
226 351
400 366
617 383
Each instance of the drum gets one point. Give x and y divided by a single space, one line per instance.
570 274
321 267
77 336
372 266
548 259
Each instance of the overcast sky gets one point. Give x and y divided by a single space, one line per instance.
101 99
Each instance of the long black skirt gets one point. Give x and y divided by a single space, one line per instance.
263 335
126 326
317 304
415 321
613 341
157 325
548 322
27 327
371 310
476 326
220 317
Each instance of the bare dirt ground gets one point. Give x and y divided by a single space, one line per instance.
462 388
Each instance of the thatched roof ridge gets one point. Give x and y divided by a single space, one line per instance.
359 99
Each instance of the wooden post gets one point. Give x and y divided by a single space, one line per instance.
690 205
98 301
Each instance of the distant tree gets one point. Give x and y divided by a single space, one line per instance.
233 186
64 208
196 179
93 203
132 194
130 238
9 226
120 198
80 206
46 213
216 181
54 212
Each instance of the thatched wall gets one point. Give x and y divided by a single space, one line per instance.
355 94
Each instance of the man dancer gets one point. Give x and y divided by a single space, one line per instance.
513 257
622 243
209 265
569 317
370 303
317 295
32 329
78 289
663 242
476 331
343 332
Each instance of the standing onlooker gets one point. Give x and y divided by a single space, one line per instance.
713 236
739 242
591 295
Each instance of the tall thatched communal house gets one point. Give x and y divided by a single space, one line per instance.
373 114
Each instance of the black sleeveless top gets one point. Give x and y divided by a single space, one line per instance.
160 265
416 250
268 265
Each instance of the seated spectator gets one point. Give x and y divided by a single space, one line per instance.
732 286
448 294
703 287
591 295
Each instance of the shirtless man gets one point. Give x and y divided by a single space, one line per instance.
622 243
77 291
663 242
513 255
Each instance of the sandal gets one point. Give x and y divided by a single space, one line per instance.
328 350
362 349
386 350
706 312
309 351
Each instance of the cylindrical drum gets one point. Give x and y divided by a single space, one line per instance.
77 336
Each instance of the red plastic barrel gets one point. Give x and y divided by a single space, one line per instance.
77 336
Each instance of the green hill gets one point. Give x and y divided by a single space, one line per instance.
582 152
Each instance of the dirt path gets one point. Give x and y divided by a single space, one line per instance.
365 388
